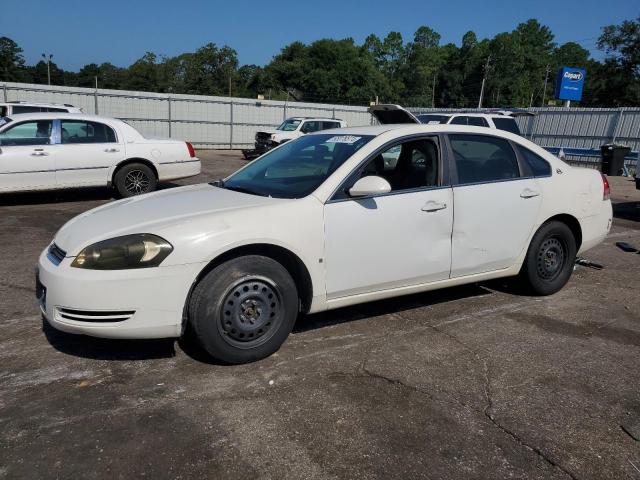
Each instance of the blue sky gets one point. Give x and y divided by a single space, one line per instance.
120 31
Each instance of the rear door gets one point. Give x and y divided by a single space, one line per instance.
27 156
87 150
496 204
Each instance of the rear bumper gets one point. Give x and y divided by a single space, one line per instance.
175 170
596 228
141 303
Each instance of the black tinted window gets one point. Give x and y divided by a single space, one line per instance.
80 131
482 158
328 125
477 121
539 166
508 124
24 109
459 121
36 132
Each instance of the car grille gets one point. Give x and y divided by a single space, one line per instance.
95 316
56 254
263 136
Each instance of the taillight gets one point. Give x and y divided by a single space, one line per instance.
606 194
192 152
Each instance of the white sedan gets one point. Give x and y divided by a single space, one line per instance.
42 151
322 222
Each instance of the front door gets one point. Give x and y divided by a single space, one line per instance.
87 151
392 240
496 207
27 156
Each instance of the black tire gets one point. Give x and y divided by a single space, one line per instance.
244 309
550 259
135 179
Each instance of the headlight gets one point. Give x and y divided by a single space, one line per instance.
130 251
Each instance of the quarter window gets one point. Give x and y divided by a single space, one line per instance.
37 132
482 158
477 122
80 131
539 166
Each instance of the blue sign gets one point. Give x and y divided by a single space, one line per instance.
570 83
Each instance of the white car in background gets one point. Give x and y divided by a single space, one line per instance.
42 151
8 109
319 223
499 119
293 128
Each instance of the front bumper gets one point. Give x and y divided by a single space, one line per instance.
138 303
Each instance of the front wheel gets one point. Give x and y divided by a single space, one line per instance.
244 309
550 259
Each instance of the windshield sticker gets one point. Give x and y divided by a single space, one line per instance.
350 139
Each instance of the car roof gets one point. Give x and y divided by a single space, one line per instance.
22 103
54 115
418 128
324 119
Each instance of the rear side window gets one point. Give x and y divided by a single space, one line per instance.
539 166
483 158
507 124
36 132
53 109
458 121
80 131
328 125
432 119
477 122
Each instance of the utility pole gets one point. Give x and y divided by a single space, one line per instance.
229 84
48 60
484 78
546 79
433 92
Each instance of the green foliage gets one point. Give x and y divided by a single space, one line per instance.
421 72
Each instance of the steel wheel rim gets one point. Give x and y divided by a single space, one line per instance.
251 312
136 182
551 258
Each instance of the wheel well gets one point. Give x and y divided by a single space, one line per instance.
129 161
289 260
573 224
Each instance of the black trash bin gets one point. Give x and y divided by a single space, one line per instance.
613 158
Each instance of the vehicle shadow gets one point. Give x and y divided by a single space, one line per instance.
66 196
627 210
108 349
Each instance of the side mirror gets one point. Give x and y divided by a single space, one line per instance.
368 186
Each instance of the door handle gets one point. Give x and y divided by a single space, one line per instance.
528 193
432 206
111 150
39 153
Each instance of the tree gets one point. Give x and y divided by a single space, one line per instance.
622 42
12 67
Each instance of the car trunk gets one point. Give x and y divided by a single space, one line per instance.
392 114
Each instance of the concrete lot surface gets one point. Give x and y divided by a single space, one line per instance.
474 382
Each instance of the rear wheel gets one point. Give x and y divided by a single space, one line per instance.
550 258
244 309
135 179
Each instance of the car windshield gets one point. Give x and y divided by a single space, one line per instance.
433 119
297 168
289 125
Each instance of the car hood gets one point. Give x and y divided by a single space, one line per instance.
151 213
386 114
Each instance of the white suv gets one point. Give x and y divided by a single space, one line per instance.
500 119
8 109
291 128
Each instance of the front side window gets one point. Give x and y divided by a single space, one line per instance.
309 127
80 131
25 109
36 132
289 125
409 165
507 124
539 166
298 167
482 158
